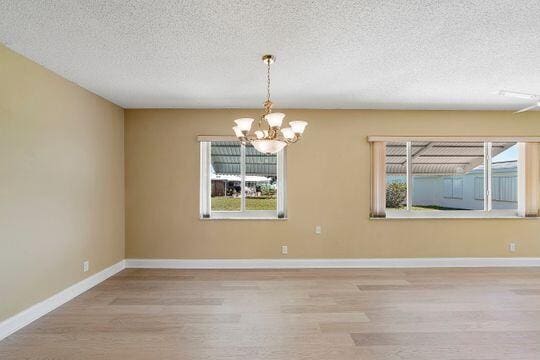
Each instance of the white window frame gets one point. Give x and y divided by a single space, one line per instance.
487 212
206 212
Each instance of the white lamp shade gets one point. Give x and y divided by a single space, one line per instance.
237 131
288 133
268 146
274 119
244 124
298 127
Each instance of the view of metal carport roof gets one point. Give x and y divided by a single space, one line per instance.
226 160
439 157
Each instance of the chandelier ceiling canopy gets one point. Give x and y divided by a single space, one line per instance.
270 137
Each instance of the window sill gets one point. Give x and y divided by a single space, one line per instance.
244 215
243 218
455 214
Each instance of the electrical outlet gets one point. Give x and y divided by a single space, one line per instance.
318 229
284 250
86 265
512 247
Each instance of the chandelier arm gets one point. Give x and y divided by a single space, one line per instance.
249 138
295 139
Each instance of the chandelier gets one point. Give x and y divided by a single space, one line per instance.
270 138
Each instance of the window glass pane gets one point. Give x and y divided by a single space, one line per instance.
447 176
261 180
504 173
396 176
225 176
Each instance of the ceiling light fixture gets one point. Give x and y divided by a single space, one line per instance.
270 138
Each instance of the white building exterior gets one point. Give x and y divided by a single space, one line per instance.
465 191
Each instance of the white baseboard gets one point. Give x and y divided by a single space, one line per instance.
25 317
328 263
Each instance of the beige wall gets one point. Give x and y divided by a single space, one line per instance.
61 183
328 184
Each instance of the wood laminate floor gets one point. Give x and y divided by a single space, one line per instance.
436 314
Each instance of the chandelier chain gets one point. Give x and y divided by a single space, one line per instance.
268 81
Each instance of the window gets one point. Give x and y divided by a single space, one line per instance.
504 180
505 188
453 188
443 175
457 177
239 182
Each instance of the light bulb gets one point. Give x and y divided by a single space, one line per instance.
244 124
274 119
298 127
259 134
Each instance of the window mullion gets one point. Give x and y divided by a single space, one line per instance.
409 175
487 176
242 177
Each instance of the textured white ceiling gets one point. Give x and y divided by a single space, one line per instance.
408 54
